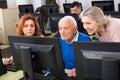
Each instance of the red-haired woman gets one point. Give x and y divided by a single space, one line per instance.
27 26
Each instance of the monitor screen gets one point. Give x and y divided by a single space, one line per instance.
3 69
67 7
27 8
39 17
96 60
115 14
54 19
34 54
3 4
51 8
104 5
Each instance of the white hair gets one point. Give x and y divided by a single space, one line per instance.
70 18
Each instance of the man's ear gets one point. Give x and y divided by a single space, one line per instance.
76 28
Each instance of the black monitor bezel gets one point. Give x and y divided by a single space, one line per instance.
38 40
66 7
102 4
83 64
25 6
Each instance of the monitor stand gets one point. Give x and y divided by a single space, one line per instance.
28 71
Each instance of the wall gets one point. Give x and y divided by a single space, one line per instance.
19 2
85 3
36 3
60 3
11 3
116 4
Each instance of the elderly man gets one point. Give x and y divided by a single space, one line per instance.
68 34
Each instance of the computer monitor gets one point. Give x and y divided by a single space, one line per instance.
51 8
3 69
54 9
40 20
119 7
104 5
97 60
67 7
33 54
3 4
27 8
54 19
115 14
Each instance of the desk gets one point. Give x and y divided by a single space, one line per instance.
12 75
17 75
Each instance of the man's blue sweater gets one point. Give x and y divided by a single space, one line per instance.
68 52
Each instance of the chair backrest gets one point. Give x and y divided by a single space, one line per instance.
54 18
51 8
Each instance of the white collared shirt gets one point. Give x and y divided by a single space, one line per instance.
75 38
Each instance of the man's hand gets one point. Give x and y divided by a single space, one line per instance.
72 73
7 61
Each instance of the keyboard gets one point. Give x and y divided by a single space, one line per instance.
48 77
11 67
41 77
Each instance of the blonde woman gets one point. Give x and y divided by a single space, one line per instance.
106 28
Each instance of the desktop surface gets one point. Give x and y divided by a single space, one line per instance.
12 75
18 75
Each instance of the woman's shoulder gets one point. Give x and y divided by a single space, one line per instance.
114 25
114 22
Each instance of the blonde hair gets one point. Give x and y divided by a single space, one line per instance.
97 14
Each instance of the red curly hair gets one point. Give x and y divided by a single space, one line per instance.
21 24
